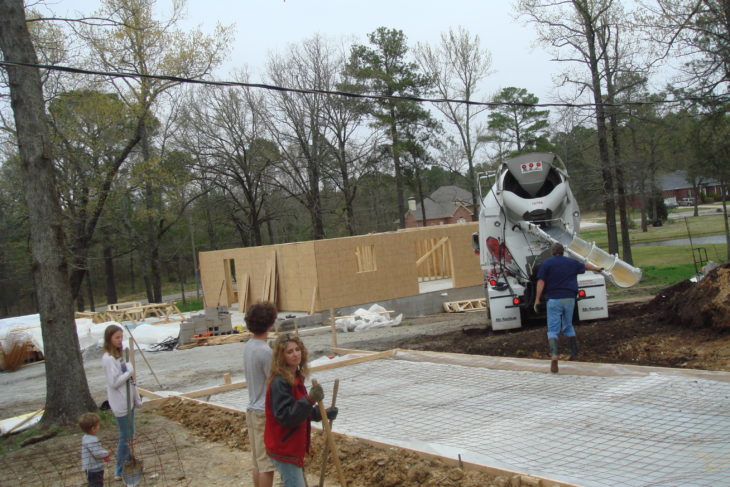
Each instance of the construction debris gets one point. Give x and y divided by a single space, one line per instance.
374 317
478 304
214 321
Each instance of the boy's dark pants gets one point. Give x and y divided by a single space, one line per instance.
95 478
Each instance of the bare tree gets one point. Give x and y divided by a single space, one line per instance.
458 65
351 146
571 28
696 32
298 122
620 47
226 133
141 44
67 392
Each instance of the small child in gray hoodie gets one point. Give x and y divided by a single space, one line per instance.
93 455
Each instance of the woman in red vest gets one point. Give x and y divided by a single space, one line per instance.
289 409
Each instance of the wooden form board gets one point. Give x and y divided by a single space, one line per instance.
318 275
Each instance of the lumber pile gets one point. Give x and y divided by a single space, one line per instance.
17 350
216 340
465 305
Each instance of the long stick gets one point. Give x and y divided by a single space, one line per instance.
18 425
143 356
326 445
331 440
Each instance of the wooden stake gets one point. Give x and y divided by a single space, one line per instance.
226 378
133 341
331 440
334 328
274 281
314 300
131 354
24 421
326 445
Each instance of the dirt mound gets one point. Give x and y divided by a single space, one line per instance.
362 463
705 304
213 424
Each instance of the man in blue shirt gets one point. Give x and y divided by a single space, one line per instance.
558 276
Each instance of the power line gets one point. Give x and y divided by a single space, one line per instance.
347 94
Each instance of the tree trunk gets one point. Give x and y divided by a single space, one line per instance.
80 304
152 241
180 277
618 167
210 229
724 196
419 186
313 174
90 291
346 190
132 276
608 197
111 285
67 392
398 173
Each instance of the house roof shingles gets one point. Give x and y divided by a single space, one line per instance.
443 202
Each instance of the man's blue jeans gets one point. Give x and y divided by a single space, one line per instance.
560 317
291 475
126 431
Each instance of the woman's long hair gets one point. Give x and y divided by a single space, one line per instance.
278 361
108 347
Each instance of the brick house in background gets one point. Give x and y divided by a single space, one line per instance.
677 184
448 204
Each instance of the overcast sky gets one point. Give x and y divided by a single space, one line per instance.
263 26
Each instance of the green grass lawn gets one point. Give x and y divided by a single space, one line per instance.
699 226
663 266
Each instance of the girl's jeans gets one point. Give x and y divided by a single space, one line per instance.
291 475
126 431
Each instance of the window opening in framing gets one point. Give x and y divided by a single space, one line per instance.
365 255
434 259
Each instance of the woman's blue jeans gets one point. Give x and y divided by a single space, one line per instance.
291 475
126 432
560 317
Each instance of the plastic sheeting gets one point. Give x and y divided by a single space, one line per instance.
374 317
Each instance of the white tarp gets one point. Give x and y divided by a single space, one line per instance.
90 333
374 317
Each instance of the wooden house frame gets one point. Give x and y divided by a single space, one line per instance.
321 274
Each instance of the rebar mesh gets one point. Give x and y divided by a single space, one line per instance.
49 466
651 430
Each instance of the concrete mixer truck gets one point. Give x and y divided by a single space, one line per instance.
526 206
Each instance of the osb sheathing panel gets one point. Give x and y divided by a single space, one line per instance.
341 285
297 276
294 270
332 265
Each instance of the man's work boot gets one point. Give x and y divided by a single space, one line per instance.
573 348
553 342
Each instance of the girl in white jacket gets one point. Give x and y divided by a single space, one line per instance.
118 373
